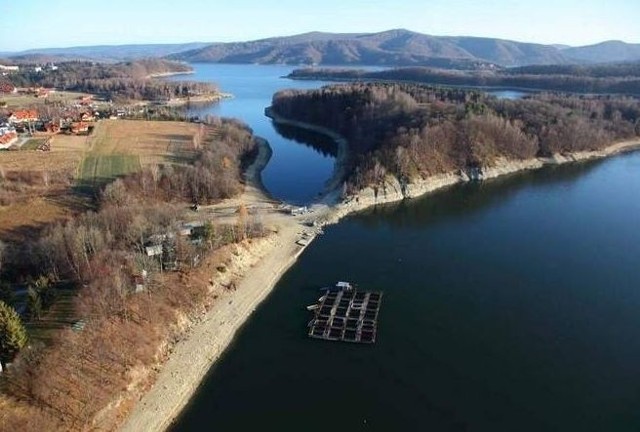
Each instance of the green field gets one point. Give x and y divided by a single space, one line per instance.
98 169
120 147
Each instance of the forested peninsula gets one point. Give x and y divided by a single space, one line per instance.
132 80
412 131
623 78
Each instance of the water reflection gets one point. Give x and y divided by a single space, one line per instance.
317 141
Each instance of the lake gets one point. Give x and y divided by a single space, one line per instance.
512 304
297 170
509 305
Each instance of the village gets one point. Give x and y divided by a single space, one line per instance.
20 125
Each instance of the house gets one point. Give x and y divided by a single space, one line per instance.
87 117
8 139
9 68
85 100
154 250
23 116
52 127
6 87
79 127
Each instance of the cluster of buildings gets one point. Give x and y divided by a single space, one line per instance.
6 69
73 121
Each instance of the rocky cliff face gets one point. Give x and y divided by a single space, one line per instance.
393 190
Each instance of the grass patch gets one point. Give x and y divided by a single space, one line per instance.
32 143
99 169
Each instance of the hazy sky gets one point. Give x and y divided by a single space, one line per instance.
60 23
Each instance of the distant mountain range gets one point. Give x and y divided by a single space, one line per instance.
108 53
388 48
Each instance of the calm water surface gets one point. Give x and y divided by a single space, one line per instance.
512 305
297 171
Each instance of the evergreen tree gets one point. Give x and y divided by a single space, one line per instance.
13 335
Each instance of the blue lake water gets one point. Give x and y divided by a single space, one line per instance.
296 172
512 305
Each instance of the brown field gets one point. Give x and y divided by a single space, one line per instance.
65 155
152 141
22 100
15 100
39 187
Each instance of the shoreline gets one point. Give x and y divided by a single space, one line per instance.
255 268
168 74
485 88
258 266
340 165
205 99
392 191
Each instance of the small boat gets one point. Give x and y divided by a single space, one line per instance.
313 307
338 287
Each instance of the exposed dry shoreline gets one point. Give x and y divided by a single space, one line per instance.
258 266
168 74
255 268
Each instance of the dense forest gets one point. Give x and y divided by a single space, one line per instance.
601 79
410 130
129 80
64 384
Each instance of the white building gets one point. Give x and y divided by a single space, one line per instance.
9 68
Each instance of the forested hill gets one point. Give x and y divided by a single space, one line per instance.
104 53
602 79
403 48
388 48
412 131
130 80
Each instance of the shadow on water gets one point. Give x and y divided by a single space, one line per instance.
317 141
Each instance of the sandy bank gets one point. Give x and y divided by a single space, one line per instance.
255 268
168 74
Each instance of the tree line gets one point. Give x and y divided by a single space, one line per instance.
614 79
411 130
102 253
129 80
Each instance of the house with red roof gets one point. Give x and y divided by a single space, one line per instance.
79 127
6 87
23 116
8 138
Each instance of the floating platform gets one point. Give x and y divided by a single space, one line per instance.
347 316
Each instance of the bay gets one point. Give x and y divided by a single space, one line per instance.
509 305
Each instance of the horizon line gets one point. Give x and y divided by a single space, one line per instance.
100 45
